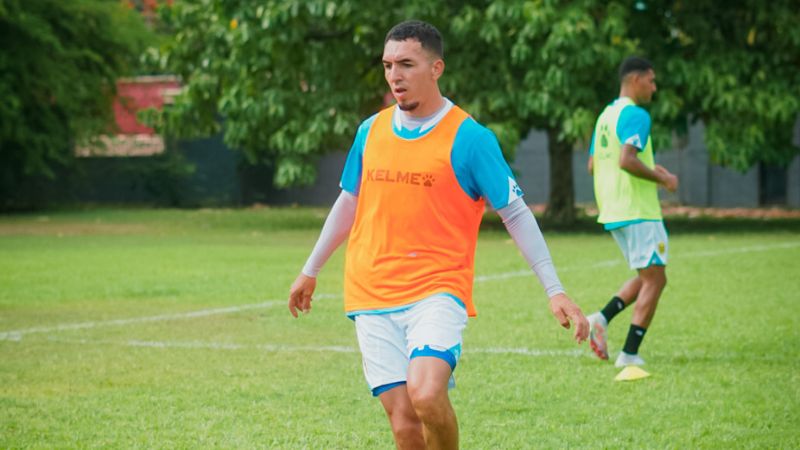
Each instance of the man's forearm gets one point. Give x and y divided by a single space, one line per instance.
630 163
639 170
522 226
334 232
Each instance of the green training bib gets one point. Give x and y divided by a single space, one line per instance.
621 196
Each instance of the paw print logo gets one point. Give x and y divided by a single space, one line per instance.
604 135
428 179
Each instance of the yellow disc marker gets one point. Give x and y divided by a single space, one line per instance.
631 373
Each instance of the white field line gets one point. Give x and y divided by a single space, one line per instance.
289 348
300 348
526 273
752 248
208 345
528 351
16 335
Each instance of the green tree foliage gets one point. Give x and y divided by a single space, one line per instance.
292 79
58 65
735 66
545 65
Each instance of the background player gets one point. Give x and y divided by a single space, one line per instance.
625 180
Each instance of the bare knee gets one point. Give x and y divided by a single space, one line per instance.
427 391
422 398
661 279
429 404
654 276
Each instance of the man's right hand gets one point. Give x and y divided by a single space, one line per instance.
300 294
668 179
566 311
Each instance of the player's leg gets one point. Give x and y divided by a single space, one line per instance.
653 282
406 426
650 258
385 361
428 378
434 340
599 321
654 279
627 294
629 291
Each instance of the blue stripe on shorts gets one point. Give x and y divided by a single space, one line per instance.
445 355
386 387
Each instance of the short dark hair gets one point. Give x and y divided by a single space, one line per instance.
425 33
633 64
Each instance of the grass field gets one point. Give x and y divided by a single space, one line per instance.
168 329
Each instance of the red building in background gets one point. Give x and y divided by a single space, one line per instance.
133 138
147 8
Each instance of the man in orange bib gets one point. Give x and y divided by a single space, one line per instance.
414 189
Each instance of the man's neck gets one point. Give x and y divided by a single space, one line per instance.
625 92
428 108
404 121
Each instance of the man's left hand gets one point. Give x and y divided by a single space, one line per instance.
567 311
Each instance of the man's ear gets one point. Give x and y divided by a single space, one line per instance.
437 69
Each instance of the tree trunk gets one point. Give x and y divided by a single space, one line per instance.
561 205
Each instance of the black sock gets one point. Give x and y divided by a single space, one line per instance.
614 307
635 336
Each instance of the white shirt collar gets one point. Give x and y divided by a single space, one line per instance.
404 120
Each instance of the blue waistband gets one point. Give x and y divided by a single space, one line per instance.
615 225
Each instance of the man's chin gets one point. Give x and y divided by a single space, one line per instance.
407 106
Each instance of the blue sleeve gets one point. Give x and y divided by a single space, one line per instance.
351 174
633 126
480 168
591 145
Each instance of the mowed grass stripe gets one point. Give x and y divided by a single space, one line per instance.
723 351
17 334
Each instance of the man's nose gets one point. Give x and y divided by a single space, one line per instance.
394 74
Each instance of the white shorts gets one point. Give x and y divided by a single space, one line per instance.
388 341
644 244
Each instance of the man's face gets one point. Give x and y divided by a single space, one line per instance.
645 87
411 72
